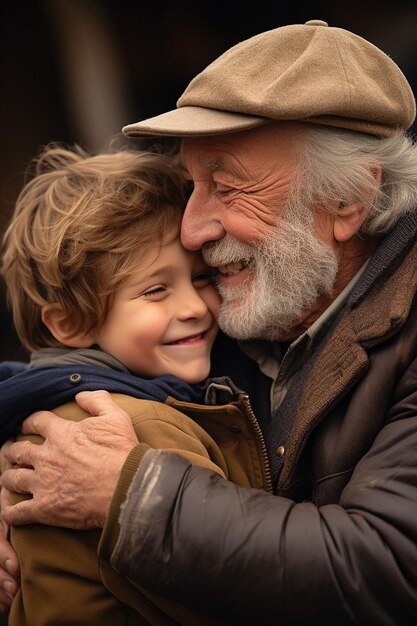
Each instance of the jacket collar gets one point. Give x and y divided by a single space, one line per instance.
377 309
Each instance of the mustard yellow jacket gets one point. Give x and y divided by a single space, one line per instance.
63 581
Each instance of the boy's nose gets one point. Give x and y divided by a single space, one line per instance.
192 306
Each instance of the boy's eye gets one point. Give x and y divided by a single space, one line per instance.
202 279
154 292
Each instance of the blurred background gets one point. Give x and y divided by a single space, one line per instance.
76 71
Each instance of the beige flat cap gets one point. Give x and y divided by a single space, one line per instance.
307 72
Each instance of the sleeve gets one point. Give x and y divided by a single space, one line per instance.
62 580
60 577
160 426
260 556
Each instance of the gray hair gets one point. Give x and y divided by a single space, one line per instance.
338 167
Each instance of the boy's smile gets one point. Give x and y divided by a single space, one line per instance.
162 320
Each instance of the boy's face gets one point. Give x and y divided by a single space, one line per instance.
163 319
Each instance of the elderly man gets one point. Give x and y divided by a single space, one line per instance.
305 195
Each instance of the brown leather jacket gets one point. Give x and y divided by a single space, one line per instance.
337 542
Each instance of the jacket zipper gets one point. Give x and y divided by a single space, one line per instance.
245 401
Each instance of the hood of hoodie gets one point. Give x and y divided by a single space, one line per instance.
24 390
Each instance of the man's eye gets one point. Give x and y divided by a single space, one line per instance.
222 190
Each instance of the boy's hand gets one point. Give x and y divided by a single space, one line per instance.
73 474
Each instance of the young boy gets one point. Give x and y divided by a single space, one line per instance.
105 297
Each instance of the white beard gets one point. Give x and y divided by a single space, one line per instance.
292 268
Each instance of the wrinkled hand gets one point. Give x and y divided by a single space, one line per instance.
9 565
73 474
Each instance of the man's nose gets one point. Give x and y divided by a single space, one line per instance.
201 223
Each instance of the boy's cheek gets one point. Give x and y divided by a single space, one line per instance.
214 302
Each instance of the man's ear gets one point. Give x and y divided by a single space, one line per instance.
62 327
348 221
350 218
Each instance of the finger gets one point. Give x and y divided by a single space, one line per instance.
5 445
4 496
97 403
4 608
5 603
4 528
18 480
22 453
41 423
25 512
8 589
9 563
4 501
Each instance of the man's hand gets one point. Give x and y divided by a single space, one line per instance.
9 565
73 474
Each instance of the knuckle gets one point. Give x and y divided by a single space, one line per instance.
15 480
18 452
12 514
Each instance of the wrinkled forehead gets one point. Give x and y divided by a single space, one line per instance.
276 140
216 145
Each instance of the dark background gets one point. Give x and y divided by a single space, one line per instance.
78 70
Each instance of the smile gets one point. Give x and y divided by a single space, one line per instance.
190 340
232 268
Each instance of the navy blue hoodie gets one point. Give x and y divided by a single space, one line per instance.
24 390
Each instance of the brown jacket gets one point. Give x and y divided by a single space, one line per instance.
63 581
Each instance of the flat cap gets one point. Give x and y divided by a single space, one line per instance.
307 72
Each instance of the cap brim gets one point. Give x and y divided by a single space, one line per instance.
193 121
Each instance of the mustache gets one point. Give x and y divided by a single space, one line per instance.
291 267
228 250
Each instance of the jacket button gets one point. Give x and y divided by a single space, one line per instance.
74 379
280 451
234 428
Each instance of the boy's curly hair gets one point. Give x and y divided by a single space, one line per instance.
79 228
